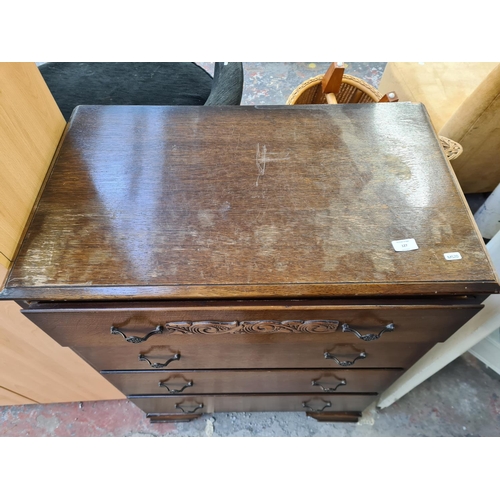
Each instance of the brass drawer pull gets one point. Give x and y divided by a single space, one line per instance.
177 405
175 357
362 355
328 389
136 340
175 391
369 336
307 407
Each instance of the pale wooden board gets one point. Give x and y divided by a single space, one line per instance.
4 264
36 367
31 126
3 273
441 86
9 398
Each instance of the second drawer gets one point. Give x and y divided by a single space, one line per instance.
213 356
251 381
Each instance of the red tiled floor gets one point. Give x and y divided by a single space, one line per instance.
100 418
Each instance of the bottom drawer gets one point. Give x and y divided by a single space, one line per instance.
321 403
252 381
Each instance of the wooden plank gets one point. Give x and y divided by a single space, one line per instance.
290 201
4 265
3 274
31 126
36 367
8 398
459 288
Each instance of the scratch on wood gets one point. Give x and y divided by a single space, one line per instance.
261 159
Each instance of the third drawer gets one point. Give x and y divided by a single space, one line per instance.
252 381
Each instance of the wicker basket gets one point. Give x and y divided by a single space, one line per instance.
353 90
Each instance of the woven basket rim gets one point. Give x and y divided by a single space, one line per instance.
316 80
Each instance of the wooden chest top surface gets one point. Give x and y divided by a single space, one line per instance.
274 201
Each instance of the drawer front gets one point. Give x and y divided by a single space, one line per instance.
253 381
176 326
269 402
327 354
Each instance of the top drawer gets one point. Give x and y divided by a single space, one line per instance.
116 326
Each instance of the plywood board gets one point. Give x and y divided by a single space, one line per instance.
36 367
31 126
9 398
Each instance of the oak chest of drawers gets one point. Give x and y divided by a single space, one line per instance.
247 258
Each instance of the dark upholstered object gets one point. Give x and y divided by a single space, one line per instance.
228 85
184 84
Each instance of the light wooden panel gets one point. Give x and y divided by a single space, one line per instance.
31 126
3 275
36 367
441 86
4 262
8 398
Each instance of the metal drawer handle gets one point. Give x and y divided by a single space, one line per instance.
175 391
369 336
307 407
175 357
136 340
362 355
328 389
177 405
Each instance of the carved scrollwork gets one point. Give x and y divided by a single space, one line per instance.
244 327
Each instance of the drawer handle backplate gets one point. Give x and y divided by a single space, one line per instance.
307 407
175 357
177 405
361 355
175 391
136 340
369 336
328 389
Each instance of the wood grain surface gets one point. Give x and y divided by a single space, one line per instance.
252 381
203 354
83 326
8 398
152 202
268 402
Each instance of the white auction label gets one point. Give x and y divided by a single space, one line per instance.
452 256
405 245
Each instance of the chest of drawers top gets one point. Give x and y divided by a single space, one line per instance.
249 202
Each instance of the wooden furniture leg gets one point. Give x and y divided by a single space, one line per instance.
332 80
